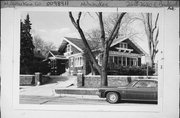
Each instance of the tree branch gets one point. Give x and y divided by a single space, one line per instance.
155 26
76 24
149 21
79 16
72 20
115 29
156 38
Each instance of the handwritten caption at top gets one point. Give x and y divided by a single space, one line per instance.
71 3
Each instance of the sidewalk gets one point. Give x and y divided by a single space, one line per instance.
58 83
48 89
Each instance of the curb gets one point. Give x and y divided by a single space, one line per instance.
83 93
80 96
77 91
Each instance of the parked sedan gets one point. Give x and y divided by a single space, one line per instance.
137 90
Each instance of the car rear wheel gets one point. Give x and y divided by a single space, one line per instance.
112 97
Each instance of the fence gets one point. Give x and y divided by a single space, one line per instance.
94 81
36 79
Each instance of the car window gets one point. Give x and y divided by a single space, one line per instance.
132 83
152 84
145 84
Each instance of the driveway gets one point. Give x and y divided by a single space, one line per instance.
62 81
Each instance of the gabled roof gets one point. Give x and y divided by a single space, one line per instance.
55 54
131 42
78 43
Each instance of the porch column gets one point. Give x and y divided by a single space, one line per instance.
118 61
126 61
122 61
129 61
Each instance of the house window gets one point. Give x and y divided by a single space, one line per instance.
81 61
124 61
78 61
123 45
110 59
68 48
133 61
99 58
116 60
71 62
120 60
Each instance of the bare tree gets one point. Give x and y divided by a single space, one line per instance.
150 26
106 42
126 31
152 32
41 45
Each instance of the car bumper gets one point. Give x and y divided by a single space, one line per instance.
100 94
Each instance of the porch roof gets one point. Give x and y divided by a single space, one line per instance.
52 54
115 53
94 45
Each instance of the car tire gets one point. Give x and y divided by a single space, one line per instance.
112 97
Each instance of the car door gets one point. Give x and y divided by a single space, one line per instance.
142 90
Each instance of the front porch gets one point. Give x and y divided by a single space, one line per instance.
119 59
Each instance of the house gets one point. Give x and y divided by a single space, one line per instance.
123 52
56 61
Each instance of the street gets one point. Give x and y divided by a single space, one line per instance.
72 100
58 100
45 94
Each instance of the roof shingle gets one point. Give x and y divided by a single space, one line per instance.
79 43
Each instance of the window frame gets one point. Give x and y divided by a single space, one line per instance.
123 45
69 48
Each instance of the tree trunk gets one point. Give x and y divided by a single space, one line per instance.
104 78
105 44
92 68
152 41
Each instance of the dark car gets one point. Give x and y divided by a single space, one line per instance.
137 90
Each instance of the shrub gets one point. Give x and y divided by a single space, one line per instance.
131 70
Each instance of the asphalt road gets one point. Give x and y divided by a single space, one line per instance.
62 100
45 94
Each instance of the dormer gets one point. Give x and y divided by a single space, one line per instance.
123 47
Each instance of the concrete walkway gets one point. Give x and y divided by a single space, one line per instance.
62 81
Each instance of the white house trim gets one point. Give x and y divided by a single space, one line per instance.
73 44
52 54
73 55
120 40
139 47
114 53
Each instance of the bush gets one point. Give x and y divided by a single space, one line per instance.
131 70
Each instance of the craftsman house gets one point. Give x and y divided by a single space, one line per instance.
56 62
123 52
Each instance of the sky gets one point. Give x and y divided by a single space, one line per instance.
53 26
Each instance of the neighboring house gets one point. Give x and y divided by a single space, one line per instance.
123 52
57 62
